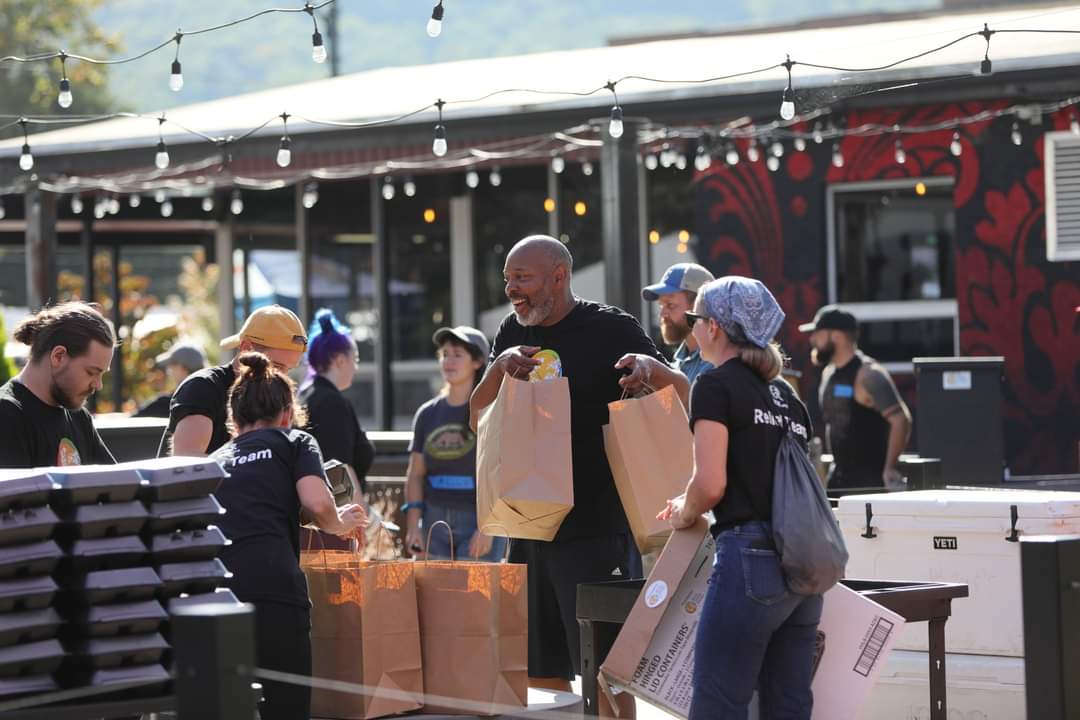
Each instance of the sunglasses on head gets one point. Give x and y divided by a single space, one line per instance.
692 318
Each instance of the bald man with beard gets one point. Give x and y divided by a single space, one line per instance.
603 352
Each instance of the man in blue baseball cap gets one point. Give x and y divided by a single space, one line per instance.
675 294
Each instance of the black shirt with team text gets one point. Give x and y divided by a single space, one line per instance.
262 517
204 392
589 341
35 434
756 415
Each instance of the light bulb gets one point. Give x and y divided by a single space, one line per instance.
777 149
1017 138
955 147
752 152
64 99
558 164
3 212
1074 125
26 160
702 161
76 204
800 144
388 189
472 178
99 210
900 155
161 158
787 106
160 196
837 156
651 162
615 127
586 168
667 156
986 67
236 206
318 50
176 78
114 206
134 200
208 203
166 209
732 155
773 163
818 137
680 161
409 187
311 195
495 177
438 147
284 153
434 25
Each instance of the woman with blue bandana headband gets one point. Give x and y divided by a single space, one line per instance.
754 633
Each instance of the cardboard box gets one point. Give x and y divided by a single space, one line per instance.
653 655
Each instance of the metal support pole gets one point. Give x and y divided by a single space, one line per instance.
223 253
118 355
86 244
215 662
384 382
553 193
40 247
621 222
303 248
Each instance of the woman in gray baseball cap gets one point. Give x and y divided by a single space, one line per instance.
754 632
441 479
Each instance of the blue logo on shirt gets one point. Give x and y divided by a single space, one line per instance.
843 391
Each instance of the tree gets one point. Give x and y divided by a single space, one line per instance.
7 367
30 27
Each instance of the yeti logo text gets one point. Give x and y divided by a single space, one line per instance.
944 543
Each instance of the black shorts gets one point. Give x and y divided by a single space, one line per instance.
555 571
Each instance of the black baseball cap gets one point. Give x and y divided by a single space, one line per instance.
831 317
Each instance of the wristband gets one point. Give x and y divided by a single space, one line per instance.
416 505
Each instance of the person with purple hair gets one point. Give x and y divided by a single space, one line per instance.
331 357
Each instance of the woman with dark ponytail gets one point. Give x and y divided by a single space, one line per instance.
274 473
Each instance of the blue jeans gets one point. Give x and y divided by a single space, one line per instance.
463 523
754 634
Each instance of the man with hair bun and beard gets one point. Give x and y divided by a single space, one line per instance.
603 352
42 409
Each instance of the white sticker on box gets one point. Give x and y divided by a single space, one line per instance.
956 380
656 594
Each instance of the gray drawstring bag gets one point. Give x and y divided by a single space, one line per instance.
805 531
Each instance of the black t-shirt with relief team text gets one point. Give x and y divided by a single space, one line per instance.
35 434
756 415
205 392
262 516
589 341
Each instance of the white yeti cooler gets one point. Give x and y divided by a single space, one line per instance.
978 687
957 536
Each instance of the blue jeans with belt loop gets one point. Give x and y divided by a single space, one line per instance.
754 634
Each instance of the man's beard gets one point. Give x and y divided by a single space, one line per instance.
673 334
538 313
63 398
823 356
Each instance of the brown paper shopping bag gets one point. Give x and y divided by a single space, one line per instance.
524 474
651 452
474 629
365 630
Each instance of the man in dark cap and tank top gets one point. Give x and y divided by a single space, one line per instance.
867 424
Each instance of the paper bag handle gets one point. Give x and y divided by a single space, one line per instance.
449 531
626 393
506 553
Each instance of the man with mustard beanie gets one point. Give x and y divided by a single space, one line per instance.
198 412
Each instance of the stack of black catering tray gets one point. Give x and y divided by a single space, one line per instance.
181 532
108 587
30 652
